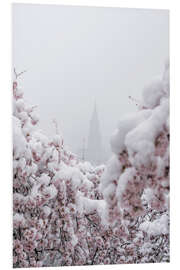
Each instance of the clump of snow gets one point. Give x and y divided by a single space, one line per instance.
148 195
20 106
156 227
47 210
126 124
44 179
35 191
153 93
111 172
22 163
34 117
109 192
19 92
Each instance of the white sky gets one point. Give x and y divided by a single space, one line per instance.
76 55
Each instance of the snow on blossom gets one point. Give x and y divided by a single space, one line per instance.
19 220
111 172
89 206
126 176
50 191
19 142
57 140
140 141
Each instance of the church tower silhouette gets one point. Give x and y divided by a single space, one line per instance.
94 149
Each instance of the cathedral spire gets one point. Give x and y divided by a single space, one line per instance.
94 151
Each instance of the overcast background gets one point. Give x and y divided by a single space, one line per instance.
76 55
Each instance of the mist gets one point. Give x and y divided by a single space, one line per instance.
78 56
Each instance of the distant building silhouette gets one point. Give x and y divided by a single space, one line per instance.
94 148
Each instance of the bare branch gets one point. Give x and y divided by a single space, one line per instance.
19 74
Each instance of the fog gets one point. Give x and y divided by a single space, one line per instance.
76 56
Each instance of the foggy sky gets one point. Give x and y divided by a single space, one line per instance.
75 56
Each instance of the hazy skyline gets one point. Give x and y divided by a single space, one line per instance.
75 56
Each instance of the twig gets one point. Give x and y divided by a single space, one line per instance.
19 74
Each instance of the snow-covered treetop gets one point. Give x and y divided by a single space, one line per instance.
141 154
